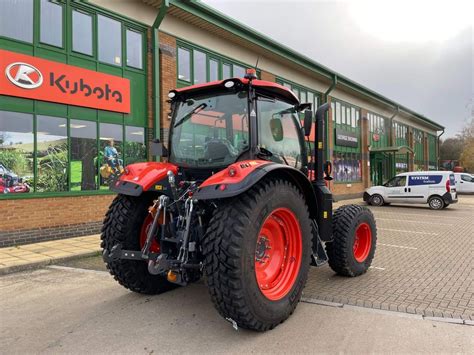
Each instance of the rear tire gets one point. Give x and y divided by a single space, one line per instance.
436 203
123 223
264 226
376 200
355 238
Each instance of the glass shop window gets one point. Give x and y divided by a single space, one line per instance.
226 71
83 155
110 154
134 49
213 70
51 154
184 64
51 23
199 67
17 19
16 152
110 40
135 149
81 32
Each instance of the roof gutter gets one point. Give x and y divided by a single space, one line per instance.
156 66
439 157
326 96
331 88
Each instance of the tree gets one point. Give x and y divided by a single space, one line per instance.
467 154
451 148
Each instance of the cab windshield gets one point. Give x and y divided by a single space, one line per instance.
210 131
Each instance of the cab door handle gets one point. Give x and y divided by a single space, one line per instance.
405 189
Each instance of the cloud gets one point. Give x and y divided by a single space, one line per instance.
433 76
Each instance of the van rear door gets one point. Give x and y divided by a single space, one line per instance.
422 186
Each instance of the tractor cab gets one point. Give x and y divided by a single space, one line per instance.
217 124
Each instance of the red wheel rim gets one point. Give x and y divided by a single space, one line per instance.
155 247
362 242
278 254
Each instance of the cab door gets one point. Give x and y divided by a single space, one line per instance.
396 189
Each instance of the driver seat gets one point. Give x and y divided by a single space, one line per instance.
216 150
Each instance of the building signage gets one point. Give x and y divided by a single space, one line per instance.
346 138
424 179
40 79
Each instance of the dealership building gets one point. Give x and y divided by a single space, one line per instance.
87 81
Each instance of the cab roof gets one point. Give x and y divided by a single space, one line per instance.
268 87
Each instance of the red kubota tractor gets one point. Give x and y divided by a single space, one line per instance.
241 200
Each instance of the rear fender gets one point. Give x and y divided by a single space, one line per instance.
241 176
141 177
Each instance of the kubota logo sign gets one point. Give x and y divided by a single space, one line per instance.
24 75
41 79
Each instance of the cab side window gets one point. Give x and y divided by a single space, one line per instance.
279 133
397 181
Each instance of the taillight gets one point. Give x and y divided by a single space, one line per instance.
448 186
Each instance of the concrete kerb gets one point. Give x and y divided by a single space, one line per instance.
50 261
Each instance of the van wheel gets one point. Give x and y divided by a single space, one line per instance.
376 200
436 203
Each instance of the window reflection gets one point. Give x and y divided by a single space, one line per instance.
16 152
199 67
184 64
109 40
52 154
17 19
134 49
83 155
135 149
81 32
110 155
51 23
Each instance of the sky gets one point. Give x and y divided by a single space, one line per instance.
418 53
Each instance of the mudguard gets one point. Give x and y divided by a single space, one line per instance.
140 177
241 176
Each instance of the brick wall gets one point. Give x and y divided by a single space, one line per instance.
32 220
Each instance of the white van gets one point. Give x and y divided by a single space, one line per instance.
464 182
437 188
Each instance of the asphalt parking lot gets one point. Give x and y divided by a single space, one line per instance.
422 269
423 264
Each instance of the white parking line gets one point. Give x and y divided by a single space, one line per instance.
407 220
376 267
436 216
397 246
405 231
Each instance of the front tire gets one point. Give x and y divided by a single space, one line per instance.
257 255
125 223
376 200
436 203
355 238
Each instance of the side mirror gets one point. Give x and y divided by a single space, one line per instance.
327 171
308 122
277 129
158 149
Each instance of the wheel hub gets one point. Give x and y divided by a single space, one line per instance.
263 245
278 254
362 242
